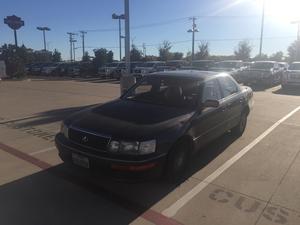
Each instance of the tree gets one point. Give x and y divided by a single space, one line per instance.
56 56
102 56
261 57
203 52
86 57
243 51
135 54
277 56
294 51
164 51
15 58
176 55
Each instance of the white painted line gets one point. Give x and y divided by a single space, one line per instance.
174 208
42 151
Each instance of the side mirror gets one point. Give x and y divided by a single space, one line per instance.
211 104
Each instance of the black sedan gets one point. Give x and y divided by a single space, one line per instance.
157 125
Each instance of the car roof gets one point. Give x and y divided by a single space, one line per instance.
265 62
203 75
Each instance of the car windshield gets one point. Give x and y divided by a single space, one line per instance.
168 91
227 64
262 65
295 66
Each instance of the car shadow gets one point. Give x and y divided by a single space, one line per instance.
66 194
48 117
291 91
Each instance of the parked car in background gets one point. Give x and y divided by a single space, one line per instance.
188 110
203 64
110 69
291 77
36 69
147 68
262 72
176 64
233 67
133 65
49 69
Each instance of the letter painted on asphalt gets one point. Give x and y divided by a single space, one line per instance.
239 204
276 215
218 195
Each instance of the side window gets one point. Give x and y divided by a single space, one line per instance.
228 86
211 91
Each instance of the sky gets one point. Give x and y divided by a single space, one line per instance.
223 23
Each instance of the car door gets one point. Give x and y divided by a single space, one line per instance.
232 100
209 122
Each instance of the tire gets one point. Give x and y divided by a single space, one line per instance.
239 129
177 163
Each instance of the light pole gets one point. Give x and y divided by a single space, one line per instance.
262 27
44 29
298 38
119 17
193 30
83 44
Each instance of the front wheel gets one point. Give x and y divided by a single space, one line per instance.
240 128
177 163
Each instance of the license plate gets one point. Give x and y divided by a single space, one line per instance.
80 160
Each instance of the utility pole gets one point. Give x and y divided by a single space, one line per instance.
71 44
262 27
144 50
44 29
83 46
119 17
193 30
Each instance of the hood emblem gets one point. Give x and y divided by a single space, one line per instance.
84 139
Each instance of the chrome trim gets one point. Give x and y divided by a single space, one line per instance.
110 159
92 133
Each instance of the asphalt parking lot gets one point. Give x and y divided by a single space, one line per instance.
250 180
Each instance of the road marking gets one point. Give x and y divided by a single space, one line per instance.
42 151
175 207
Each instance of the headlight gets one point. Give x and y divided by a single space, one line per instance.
64 130
132 148
147 147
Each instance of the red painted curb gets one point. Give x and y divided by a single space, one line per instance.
149 215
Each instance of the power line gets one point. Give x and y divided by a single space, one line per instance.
198 40
176 20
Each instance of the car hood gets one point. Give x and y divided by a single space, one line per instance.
131 120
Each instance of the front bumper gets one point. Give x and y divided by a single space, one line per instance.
118 168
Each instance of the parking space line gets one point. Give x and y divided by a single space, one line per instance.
175 207
43 150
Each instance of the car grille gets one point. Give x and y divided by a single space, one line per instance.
88 139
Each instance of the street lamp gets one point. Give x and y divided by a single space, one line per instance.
44 29
298 32
298 37
262 27
119 17
193 30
